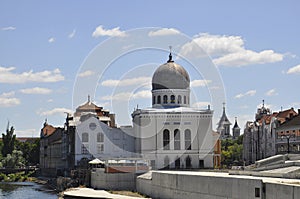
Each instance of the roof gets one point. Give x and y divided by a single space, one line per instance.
295 121
224 119
88 106
170 76
236 126
281 116
172 110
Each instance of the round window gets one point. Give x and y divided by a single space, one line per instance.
93 126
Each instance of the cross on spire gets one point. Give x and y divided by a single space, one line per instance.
170 55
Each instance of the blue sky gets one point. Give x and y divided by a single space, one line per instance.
255 45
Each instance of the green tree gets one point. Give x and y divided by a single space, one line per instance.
31 151
232 152
13 160
8 140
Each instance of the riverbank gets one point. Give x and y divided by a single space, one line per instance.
17 177
91 193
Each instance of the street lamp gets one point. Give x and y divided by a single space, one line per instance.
288 137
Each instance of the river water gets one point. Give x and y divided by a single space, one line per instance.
25 190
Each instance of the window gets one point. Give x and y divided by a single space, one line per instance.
166 162
85 149
184 99
100 148
257 192
177 139
85 137
179 99
100 137
177 163
165 99
153 100
172 99
187 139
92 126
166 139
188 162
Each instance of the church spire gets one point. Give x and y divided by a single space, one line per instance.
170 55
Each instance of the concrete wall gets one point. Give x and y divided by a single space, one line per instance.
169 185
112 181
207 185
282 191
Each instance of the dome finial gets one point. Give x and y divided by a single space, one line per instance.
170 55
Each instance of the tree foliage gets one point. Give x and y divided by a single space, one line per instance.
8 140
31 151
14 160
232 152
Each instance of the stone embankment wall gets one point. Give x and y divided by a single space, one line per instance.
178 185
112 181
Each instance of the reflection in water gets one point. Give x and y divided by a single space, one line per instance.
25 190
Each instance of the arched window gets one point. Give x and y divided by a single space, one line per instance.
166 162
165 99
158 99
179 99
166 139
153 101
85 137
176 139
177 163
184 99
187 139
188 162
100 137
172 99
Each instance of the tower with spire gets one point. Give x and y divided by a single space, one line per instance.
236 131
224 125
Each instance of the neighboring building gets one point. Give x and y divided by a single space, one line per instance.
236 131
171 133
95 139
260 137
89 107
288 136
217 150
224 125
51 159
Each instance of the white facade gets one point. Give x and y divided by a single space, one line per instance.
94 139
171 134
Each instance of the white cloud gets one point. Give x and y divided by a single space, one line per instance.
36 90
8 99
126 82
50 100
55 111
86 73
51 40
271 92
126 96
27 133
248 93
72 34
114 32
294 70
200 83
201 104
247 57
163 32
228 50
7 75
8 28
